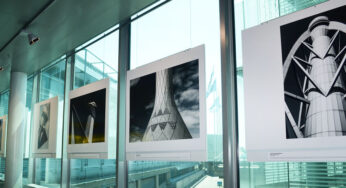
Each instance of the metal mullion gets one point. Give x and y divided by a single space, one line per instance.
85 66
229 94
123 67
34 100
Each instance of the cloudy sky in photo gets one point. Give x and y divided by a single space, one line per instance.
186 94
185 80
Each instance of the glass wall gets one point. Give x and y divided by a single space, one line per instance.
51 84
172 28
92 63
176 26
27 127
4 99
250 13
4 96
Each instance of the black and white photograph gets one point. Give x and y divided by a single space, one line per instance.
164 105
87 118
47 128
44 125
313 56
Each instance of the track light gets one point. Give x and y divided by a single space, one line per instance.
32 38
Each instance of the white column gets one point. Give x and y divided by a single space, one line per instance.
15 130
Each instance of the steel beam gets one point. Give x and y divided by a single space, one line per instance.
69 78
229 94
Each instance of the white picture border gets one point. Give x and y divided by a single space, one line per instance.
54 130
178 150
265 123
3 136
90 150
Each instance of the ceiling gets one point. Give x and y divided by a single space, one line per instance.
61 25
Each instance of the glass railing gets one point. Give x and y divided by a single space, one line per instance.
90 68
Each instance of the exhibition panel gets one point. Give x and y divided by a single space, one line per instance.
47 133
90 134
301 103
158 113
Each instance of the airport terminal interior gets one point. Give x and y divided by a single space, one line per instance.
51 48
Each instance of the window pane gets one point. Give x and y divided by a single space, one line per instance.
97 61
4 97
28 111
289 6
93 63
249 13
92 173
52 82
174 27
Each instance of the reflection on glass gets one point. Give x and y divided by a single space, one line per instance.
175 174
92 173
186 28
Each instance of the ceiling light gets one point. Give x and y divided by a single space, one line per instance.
32 38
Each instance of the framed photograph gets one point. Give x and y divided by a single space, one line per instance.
88 128
301 104
47 131
3 121
166 109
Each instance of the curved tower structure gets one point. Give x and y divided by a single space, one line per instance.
165 122
326 114
322 108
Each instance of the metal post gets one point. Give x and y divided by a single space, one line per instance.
65 162
124 65
139 183
229 94
157 181
85 66
34 100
